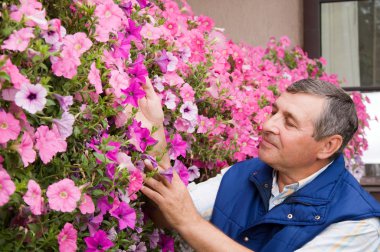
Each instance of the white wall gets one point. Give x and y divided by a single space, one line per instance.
372 155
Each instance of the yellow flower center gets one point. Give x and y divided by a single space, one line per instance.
78 47
63 195
3 125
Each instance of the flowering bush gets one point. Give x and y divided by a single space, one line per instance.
73 85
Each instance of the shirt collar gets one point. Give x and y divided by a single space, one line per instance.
295 186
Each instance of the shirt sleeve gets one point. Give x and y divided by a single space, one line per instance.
348 236
204 194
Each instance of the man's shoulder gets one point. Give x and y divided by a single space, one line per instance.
247 166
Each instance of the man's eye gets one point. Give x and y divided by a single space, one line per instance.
290 124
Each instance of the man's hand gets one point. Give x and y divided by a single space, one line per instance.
176 205
172 199
150 109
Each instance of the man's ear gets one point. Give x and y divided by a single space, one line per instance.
329 146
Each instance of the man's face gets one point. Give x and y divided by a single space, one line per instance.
288 141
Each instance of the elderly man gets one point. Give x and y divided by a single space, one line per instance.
296 196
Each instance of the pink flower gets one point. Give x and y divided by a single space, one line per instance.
66 65
67 238
94 78
16 77
9 127
32 12
135 183
7 187
33 197
87 205
148 31
78 42
49 143
32 98
178 147
119 80
63 195
55 32
187 93
25 149
19 40
125 214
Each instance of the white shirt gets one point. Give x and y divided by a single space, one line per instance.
351 236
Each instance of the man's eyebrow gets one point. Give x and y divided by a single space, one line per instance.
287 114
291 116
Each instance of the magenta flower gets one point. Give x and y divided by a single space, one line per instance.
178 147
140 137
67 238
133 93
32 98
19 40
7 187
137 70
133 31
122 46
87 205
135 183
34 198
167 174
9 127
181 169
126 216
98 242
63 195
94 78
166 243
49 143
25 149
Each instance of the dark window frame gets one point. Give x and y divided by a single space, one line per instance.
312 42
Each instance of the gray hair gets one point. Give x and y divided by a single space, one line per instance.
339 114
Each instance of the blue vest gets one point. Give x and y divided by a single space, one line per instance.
241 207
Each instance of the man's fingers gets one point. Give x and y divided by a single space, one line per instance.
149 166
153 195
156 185
148 88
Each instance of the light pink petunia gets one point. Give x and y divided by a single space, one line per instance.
25 149
32 12
32 98
9 127
66 65
78 42
7 187
87 205
18 40
17 78
63 195
49 143
94 78
34 198
67 238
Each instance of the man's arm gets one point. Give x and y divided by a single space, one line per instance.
175 204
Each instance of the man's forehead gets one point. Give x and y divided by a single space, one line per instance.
300 104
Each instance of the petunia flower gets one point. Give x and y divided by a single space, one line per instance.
7 187
9 127
34 198
63 195
133 93
67 238
32 98
126 216
18 40
98 242
25 149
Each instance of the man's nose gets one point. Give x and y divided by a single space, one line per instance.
272 124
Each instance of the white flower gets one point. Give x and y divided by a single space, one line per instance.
31 97
189 111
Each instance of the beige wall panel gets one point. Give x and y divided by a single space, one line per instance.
254 21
